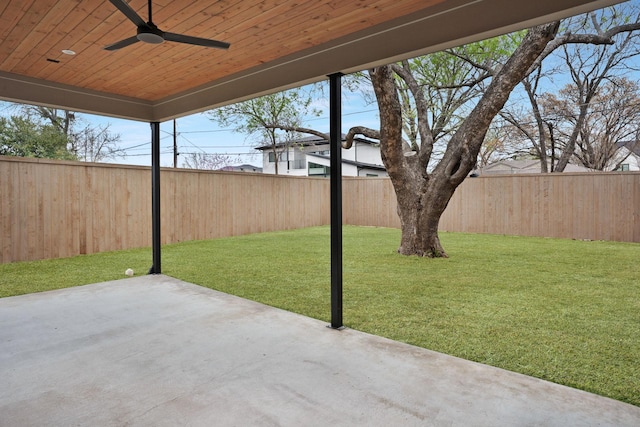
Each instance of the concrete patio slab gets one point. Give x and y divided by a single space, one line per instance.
156 351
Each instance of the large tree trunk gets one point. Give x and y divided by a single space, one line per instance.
420 211
423 196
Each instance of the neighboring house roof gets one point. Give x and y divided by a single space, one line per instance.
511 166
576 168
524 166
242 168
350 162
633 146
313 140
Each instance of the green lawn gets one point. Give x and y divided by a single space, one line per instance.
562 310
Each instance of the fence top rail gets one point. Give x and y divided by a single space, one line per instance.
187 170
73 163
67 162
561 174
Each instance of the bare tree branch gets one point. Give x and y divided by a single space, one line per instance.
298 129
359 130
488 71
604 38
426 137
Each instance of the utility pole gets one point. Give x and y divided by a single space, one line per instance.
175 145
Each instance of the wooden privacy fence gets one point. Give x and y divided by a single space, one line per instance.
54 209
597 206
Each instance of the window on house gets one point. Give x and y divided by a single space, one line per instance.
320 152
372 174
319 170
624 167
297 164
272 157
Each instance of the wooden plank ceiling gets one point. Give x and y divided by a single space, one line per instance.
259 32
262 34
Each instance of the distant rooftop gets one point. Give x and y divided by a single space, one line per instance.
242 168
351 162
633 146
313 140
523 166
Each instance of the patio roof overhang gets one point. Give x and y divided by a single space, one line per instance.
275 44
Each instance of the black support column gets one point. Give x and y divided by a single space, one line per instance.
156 268
335 144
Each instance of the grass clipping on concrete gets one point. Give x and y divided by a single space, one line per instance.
561 310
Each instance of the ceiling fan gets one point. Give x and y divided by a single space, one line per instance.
148 32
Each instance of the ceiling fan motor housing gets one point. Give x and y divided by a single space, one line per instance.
150 35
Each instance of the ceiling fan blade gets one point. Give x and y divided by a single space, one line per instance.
122 43
181 38
124 7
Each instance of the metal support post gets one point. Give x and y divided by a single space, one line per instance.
156 268
335 144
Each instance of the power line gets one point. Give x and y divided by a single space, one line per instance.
228 154
145 146
207 131
221 146
136 155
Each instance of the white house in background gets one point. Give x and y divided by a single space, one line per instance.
628 156
310 157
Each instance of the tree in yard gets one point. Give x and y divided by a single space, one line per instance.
500 143
611 120
257 117
95 144
594 51
84 141
423 195
206 161
529 126
22 137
